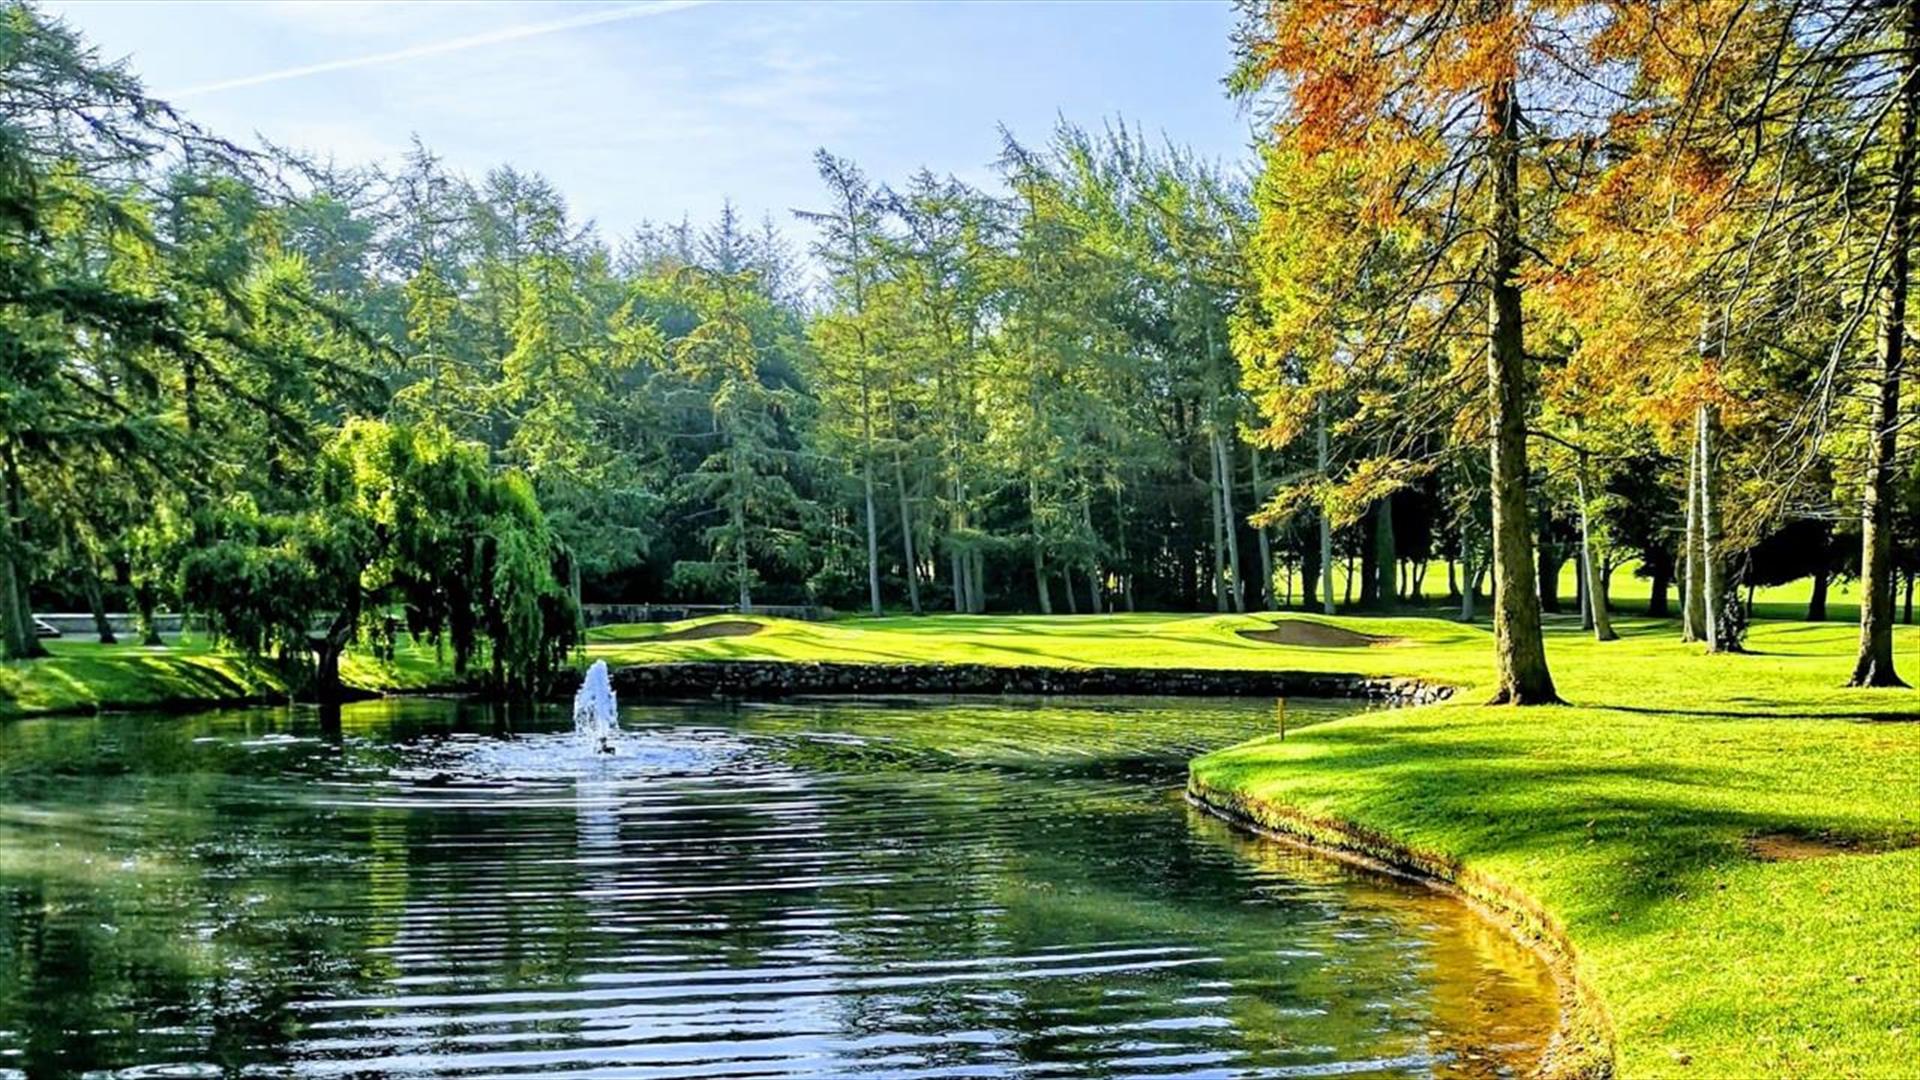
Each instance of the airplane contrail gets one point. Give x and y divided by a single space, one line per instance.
437 48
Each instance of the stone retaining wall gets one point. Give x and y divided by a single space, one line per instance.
775 679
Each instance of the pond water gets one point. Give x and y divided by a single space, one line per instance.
881 888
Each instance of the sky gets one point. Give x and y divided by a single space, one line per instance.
658 110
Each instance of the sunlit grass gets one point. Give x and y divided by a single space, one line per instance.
82 675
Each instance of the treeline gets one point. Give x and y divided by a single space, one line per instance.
1617 278
306 402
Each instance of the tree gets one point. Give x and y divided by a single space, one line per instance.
399 517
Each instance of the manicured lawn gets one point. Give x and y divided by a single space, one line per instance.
83 675
1628 816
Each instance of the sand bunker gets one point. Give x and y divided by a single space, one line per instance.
1316 635
723 628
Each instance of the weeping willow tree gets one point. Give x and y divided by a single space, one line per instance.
400 521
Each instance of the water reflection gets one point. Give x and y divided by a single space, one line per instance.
827 889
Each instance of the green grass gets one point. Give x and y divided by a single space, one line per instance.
82 676
1625 816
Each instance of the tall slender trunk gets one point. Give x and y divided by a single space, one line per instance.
977 583
906 532
1712 576
1326 526
1220 602
1238 592
866 477
1693 608
1468 583
1520 655
1817 603
1066 590
1874 665
1266 542
1602 622
1093 567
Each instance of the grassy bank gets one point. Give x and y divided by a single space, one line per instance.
81 676
1725 841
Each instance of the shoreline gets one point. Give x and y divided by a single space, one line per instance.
1581 1046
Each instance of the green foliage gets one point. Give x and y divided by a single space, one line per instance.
400 517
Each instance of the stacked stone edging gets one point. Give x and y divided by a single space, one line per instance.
776 679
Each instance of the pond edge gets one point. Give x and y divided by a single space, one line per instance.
760 679
1581 1046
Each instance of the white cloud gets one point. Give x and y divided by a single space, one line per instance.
439 48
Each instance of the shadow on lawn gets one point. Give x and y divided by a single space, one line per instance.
1647 832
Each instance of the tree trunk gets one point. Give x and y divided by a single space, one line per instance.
1596 592
1453 581
1237 586
1874 665
1040 579
1220 602
873 524
1066 590
977 582
1385 564
1693 621
1370 559
1520 655
1661 570
1266 543
1906 613
1469 584
1712 575
906 535
1326 526
96 601
18 641
1094 587
1817 603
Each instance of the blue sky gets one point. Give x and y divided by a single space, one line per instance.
654 110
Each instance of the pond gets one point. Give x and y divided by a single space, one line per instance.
961 887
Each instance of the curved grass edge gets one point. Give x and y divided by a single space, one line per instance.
1582 1044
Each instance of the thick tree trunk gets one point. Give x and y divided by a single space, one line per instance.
1311 563
906 536
1817 603
1661 570
1874 665
1385 564
1326 526
977 580
1520 655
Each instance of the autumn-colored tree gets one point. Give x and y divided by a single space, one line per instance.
1453 129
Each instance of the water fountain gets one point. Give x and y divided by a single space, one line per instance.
595 721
